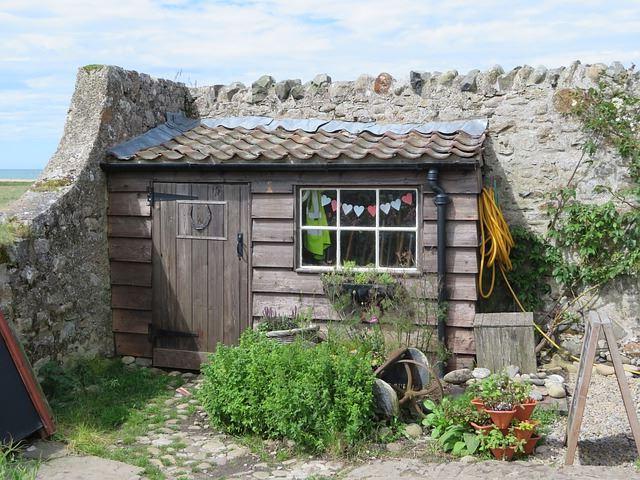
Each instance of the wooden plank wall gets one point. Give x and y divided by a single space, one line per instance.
129 230
275 283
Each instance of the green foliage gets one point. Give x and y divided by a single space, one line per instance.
449 424
602 241
13 468
92 67
99 392
11 230
50 185
272 320
321 397
533 262
496 439
498 391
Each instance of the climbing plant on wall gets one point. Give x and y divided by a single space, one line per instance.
593 243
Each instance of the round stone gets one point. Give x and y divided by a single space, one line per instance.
480 373
458 377
413 430
556 390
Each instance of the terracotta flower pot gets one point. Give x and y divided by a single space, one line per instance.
482 429
530 446
503 453
524 410
501 418
479 404
522 434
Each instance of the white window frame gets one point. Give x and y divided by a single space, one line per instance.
377 229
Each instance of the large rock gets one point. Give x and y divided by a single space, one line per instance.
556 390
386 399
260 88
458 377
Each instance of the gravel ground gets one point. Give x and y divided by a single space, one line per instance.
605 436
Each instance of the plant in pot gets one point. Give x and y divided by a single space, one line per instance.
497 398
523 430
481 422
524 404
286 328
474 391
502 446
530 444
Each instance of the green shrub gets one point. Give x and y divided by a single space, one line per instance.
320 397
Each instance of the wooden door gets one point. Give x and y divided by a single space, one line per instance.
200 282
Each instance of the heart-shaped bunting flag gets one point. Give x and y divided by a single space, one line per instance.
334 205
408 198
385 207
346 208
372 210
324 200
396 204
358 209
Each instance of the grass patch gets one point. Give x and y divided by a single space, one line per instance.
92 67
10 191
50 185
101 406
547 418
14 468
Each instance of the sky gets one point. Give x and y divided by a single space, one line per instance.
201 42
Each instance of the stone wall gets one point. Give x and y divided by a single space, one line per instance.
55 281
532 146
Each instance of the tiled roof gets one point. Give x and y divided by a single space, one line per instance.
263 139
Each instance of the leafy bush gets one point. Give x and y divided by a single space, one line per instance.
449 423
319 397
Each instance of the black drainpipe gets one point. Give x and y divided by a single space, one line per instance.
441 199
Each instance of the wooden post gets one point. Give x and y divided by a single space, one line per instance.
588 355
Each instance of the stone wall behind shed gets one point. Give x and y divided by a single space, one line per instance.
55 281
532 145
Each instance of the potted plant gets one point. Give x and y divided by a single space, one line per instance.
286 328
498 399
474 390
502 446
481 422
523 430
524 404
530 444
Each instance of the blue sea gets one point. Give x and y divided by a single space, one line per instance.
19 174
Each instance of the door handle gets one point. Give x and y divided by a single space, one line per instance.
240 246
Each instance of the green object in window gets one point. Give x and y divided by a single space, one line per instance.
316 241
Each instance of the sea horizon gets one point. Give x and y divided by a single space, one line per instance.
19 173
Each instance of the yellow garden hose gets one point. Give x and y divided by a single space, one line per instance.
495 248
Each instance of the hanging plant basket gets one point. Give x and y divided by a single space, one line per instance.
366 292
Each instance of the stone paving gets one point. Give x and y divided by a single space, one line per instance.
184 447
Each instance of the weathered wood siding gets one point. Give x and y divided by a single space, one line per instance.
275 282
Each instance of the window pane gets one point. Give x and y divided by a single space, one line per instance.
358 247
397 208
319 207
318 248
397 249
358 208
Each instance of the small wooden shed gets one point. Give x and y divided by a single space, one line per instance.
212 220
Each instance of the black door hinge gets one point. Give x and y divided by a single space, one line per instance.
153 197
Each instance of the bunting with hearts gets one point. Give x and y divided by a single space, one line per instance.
358 210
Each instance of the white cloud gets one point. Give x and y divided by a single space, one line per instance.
42 42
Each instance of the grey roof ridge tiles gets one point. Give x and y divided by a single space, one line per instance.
177 124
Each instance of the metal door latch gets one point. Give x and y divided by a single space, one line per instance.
240 246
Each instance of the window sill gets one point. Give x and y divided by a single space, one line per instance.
409 272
